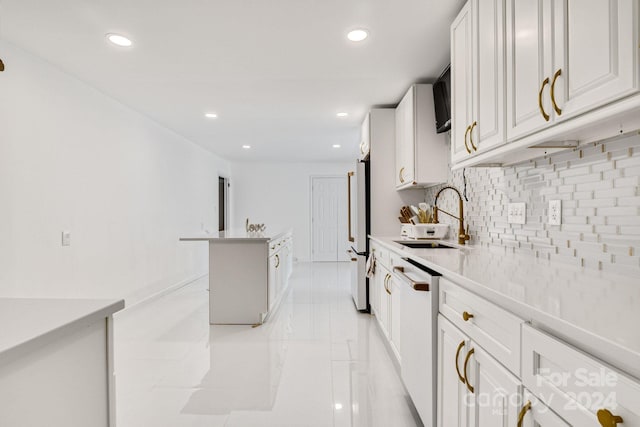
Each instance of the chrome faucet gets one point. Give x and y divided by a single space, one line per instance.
463 235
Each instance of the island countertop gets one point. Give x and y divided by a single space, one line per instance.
585 307
28 323
236 235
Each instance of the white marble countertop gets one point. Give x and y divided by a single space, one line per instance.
237 235
595 310
28 323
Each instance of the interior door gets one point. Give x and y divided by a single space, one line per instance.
327 221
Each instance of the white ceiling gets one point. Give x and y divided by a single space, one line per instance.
275 71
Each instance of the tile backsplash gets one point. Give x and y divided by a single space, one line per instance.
598 187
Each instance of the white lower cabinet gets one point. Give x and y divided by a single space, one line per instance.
496 392
452 409
383 314
473 388
395 301
579 388
481 384
534 413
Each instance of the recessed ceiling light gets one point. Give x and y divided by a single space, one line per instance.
246 147
342 114
119 40
211 115
357 35
336 145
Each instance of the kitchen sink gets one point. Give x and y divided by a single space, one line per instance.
423 245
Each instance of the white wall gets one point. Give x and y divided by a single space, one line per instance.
279 195
127 188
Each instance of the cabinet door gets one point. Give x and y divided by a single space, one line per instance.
453 346
573 384
596 53
536 414
496 392
396 312
528 65
384 308
461 83
405 140
487 127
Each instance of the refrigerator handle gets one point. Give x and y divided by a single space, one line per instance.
349 175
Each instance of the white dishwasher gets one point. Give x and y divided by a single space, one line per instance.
418 335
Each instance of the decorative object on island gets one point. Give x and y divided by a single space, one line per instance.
254 228
1 65
463 235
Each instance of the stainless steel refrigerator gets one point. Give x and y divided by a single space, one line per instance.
359 228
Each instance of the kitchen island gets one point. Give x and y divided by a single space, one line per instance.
56 362
248 274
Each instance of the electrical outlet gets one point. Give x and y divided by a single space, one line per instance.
555 212
517 213
66 238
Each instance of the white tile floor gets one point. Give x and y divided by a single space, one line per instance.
317 362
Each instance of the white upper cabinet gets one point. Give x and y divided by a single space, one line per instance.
421 153
405 141
566 58
478 69
596 53
461 84
541 73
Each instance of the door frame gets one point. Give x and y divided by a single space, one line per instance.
343 177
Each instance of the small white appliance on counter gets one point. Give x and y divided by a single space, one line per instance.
424 231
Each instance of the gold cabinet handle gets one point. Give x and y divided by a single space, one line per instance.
607 419
464 369
523 412
553 92
401 175
277 260
544 113
417 286
349 175
471 136
466 316
462 380
466 132
386 280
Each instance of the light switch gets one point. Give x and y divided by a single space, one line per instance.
516 213
66 238
555 212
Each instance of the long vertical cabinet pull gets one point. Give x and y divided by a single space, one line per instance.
466 146
523 412
553 92
386 281
278 260
466 363
544 113
460 346
471 136
349 175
